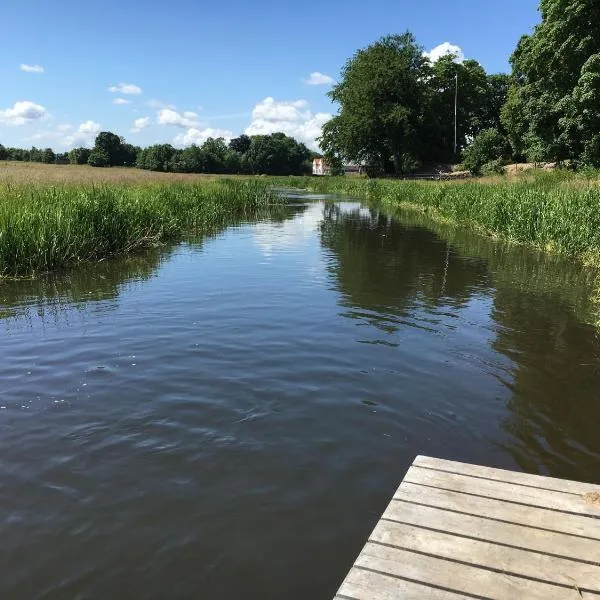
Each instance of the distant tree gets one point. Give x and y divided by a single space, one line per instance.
35 154
232 162
277 154
48 156
112 146
240 144
129 154
3 153
99 158
62 158
79 156
157 158
215 150
488 146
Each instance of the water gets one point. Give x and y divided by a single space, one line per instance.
229 417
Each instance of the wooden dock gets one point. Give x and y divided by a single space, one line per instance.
455 530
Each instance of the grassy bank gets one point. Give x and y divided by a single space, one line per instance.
553 211
47 227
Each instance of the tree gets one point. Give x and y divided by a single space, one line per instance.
215 150
488 146
99 158
48 156
277 154
240 144
381 96
111 145
3 153
157 158
552 112
79 156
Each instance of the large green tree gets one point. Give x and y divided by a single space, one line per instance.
381 97
553 108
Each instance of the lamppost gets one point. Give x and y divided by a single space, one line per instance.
456 116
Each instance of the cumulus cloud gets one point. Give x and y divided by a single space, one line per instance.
317 78
31 68
443 50
121 101
125 88
159 104
84 136
168 116
22 113
294 118
140 124
199 136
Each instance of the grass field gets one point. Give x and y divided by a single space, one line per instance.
26 172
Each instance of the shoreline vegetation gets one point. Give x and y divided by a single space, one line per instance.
555 211
48 227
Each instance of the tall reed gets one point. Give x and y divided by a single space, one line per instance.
549 212
44 228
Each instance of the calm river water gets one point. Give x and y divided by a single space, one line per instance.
229 417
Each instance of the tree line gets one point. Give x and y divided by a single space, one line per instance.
275 154
396 106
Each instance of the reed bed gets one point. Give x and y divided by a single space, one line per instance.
48 227
552 212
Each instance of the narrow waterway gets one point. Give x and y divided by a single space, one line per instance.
228 417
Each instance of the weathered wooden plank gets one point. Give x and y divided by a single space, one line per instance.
366 585
567 573
537 481
499 509
481 528
503 491
458 577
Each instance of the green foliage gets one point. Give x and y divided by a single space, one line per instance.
48 156
157 158
99 158
494 167
396 108
240 144
3 153
277 154
44 227
79 156
490 145
553 111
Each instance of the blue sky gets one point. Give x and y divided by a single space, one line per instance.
193 68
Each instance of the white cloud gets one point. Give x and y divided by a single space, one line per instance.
22 113
168 116
125 88
140 124
89 127
64 127
271 110
293 118
159 104
121 101
444 49
199 136
317 78
32 68
84 136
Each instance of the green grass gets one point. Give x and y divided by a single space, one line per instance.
552 211
48 227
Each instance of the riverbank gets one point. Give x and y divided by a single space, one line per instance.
556 212
45 227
